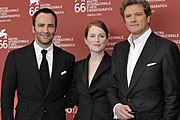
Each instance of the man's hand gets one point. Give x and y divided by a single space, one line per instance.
123 112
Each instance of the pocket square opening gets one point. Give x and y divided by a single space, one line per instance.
151 64
63 72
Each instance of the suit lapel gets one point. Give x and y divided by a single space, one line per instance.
145 57
58 62
83 70
83 77
103 66
31 58
123 64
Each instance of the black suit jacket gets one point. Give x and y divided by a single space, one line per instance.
21 74
155 83
93 103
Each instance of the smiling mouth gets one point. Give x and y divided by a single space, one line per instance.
134 25
45 36
97 45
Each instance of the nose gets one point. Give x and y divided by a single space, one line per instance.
133 18
97 39
45 29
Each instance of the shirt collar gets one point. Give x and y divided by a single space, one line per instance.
38 49
142 39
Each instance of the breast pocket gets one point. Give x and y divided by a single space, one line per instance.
152 66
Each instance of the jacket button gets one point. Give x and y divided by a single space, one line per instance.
128 100
45 110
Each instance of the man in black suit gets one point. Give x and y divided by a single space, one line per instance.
145 70
22 72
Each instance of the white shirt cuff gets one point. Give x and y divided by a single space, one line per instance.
114 108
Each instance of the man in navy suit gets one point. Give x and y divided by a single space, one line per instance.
145 70
22 73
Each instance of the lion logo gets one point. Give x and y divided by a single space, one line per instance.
3 34
34 1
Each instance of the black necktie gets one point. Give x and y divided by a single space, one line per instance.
44 71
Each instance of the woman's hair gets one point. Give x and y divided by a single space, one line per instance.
97 23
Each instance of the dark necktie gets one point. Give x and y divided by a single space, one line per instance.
44 71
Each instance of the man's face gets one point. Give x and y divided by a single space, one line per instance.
44 29
136 20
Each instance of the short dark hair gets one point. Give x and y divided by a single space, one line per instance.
97 23
144 3
43 10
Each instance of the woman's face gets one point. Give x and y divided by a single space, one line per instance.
96 39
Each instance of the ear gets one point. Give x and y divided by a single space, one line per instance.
108 37
33 29
85 40
148 19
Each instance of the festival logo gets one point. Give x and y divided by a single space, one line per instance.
3 34
34 6
3 39
92 7
11 42
36 2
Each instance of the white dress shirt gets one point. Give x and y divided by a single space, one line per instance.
49 56
136 47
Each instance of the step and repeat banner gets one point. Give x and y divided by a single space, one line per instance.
73 16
